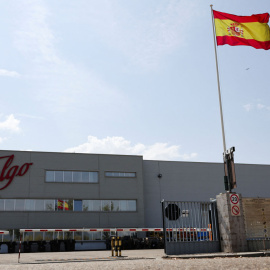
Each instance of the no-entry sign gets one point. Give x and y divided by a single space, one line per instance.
235 206
235 210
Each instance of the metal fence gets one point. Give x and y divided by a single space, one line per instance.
192 227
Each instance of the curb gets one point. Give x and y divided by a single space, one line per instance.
219 255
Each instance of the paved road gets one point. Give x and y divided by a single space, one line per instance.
132 259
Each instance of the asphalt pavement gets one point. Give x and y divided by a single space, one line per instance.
134 259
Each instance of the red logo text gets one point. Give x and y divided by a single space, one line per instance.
8 173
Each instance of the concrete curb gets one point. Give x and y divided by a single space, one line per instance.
219 255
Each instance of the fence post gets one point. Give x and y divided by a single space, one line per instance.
164 227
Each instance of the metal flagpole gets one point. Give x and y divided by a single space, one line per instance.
227 183
219 93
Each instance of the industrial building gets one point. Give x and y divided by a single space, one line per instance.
71 190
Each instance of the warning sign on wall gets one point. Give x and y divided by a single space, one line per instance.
235 206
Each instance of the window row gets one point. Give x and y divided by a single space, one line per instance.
82 177
67 205
120 174
71 176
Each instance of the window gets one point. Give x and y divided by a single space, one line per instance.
121 174
49 205
59 176
63 205
91 205
68 177
131 205
19 205
50 176
71 177
67 205
9 205
106 205
77 205
115 205
39 205
123 205
29 205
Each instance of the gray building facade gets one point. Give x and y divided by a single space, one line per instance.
68 190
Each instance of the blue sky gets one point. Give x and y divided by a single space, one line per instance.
130 77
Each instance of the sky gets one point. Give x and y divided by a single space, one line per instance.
130 77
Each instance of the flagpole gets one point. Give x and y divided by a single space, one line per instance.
225 156
219 93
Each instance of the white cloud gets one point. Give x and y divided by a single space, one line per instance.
34 36
8 73
248 107
260 106
10 124
119 145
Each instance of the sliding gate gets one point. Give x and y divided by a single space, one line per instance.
191 227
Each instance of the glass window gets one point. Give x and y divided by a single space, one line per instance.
9 205
91 205
59 205
115 205
59 176
49 205
68 205
77 205
39 205
67 176
120 174
123 205
77 177
49 176
96 205
71 176
19 205
131 205
93 177
87 205
29 205
106 205
85 177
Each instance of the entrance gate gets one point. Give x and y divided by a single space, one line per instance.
191 227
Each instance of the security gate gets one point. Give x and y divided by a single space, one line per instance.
191 227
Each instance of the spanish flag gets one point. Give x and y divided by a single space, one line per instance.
62 204
242 30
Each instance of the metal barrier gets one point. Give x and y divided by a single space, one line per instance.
116 244
191 227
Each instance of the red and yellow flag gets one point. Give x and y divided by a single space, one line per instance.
242 30
61 205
